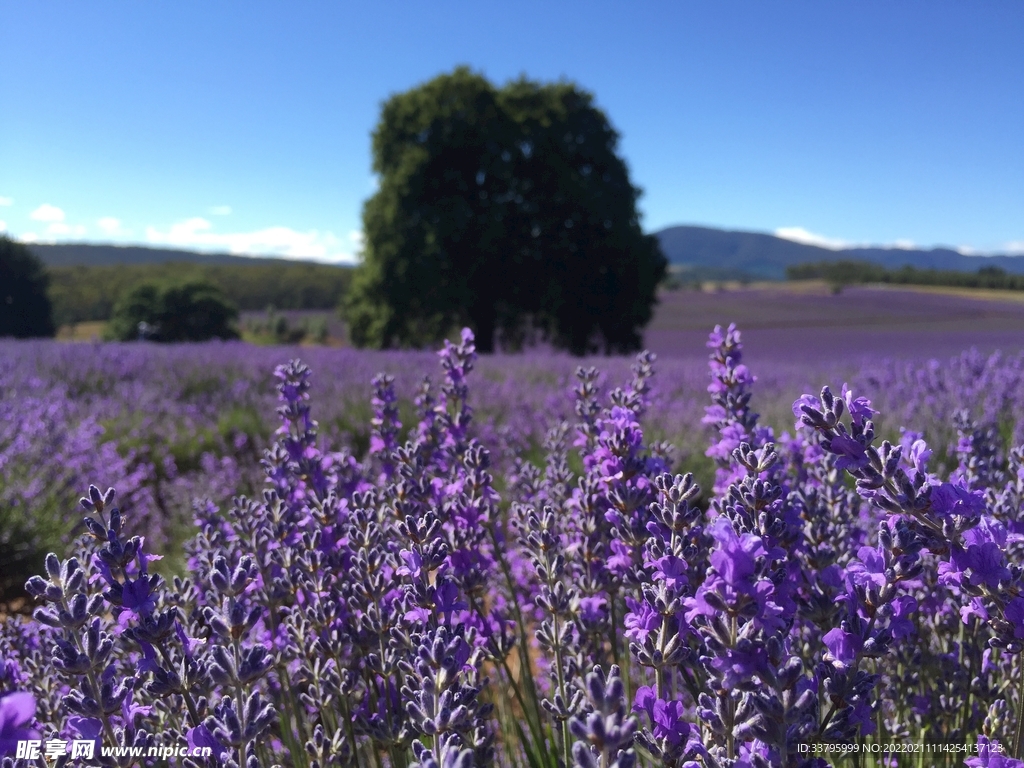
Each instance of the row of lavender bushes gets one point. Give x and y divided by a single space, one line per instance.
827 587
169 423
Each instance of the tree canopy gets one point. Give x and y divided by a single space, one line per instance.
25 309
507 210
173 312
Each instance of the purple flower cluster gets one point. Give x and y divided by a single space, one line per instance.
405 597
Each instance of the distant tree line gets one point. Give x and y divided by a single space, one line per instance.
159 302
842 273
694 277
80 294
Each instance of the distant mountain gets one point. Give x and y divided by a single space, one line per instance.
712 253
86 255
766 256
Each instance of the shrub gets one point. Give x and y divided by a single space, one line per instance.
191 311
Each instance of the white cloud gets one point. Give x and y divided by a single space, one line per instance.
3 226
221 210
5 201
29 237
280 242
47 212
801 235
1016 248
109 225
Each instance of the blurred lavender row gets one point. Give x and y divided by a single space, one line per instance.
171 423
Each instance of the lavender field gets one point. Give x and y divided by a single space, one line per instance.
804 323
526 560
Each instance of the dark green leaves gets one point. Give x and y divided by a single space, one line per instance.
192 311
24 306
507 210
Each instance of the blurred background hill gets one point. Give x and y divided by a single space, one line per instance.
717 254
91 255
87 280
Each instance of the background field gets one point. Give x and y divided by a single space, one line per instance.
805 322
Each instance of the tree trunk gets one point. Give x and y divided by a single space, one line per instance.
484 320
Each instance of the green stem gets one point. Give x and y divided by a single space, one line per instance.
346 715
730 708
615 629
532 713
531 722
288 735
239 702
965 712
560 677
1020 708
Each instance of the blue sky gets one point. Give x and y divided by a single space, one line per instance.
245 126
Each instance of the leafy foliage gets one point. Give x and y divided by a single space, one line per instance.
192 311
84 293
24 306
504 209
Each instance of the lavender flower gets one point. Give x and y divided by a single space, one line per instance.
730 411
605 733
17 711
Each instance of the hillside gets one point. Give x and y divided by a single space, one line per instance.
88 255
766 256
87 280
715 253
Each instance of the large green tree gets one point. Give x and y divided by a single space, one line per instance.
505 209
25 309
